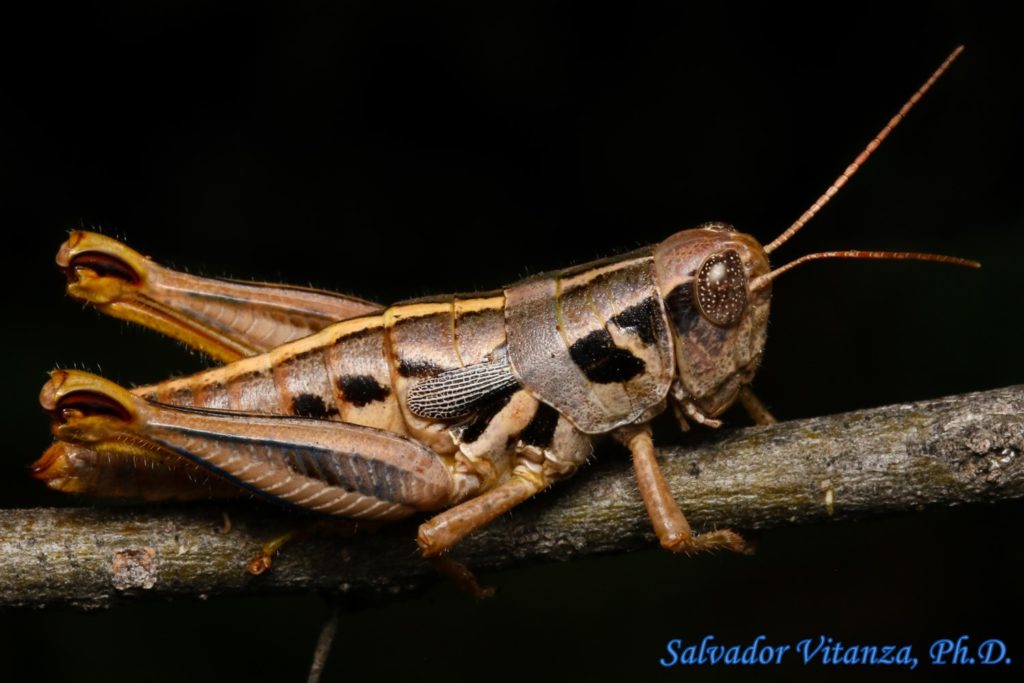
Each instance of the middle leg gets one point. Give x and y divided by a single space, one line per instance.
547 449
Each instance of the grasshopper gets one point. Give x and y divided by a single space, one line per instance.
462 406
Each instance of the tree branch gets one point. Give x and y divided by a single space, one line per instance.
959 449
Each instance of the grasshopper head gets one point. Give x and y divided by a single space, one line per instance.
716 285
718 319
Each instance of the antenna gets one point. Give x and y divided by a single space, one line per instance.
862 157
762 280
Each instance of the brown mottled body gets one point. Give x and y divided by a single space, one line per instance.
507 390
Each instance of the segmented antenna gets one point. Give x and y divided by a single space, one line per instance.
862 157
762 280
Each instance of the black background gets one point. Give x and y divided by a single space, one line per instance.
392 150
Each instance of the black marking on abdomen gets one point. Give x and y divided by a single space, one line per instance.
641 319
602 361
418 368
311 405
541 430
360 390
475 429
682 309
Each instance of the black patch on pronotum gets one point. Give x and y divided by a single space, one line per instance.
541 430
311 405
602 361
479 423
641 319
417 368
360 390
681 309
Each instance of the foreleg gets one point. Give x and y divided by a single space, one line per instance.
757 411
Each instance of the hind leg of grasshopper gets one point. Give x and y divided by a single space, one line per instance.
670 524
332 468
463 577
74 468
227 320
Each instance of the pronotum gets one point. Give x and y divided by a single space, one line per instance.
460 405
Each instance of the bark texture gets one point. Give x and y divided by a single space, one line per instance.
948 451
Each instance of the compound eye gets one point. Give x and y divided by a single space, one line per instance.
720 288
